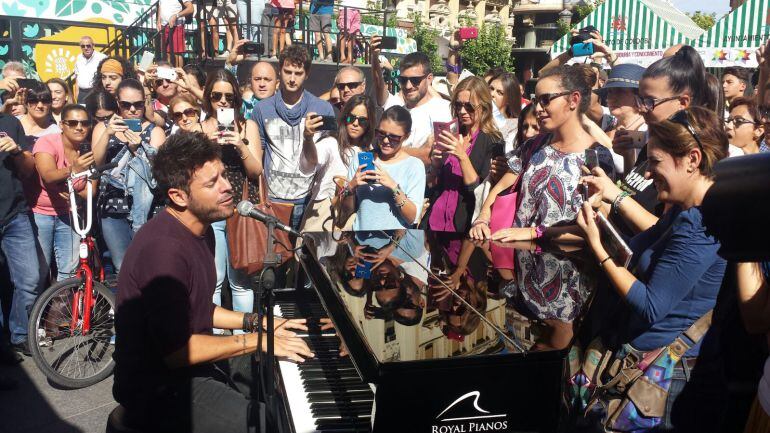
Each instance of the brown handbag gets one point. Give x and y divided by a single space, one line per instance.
247 237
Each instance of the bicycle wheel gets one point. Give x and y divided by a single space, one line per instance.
66 356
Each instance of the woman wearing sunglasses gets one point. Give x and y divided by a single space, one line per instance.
38 120
675 274
185 111
56 157
242 157
744 127
461 162
129 140
60 92
330 155
390 196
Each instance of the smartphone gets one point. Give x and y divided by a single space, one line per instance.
147 58
133 124
27 83
166 73
367 159
364 270
637 137
582 49
329 123
225 116
389 43
439 127
469 33
592 161
85 147
253 48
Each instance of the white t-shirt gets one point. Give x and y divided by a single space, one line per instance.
423 116
85 69
329 164
168 8
734 151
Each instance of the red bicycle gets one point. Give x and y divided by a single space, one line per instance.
72 323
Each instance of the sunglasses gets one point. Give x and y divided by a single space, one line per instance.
362 120
414 80
217 96
352 86
680 117
103 118
44 100
128 105
469 108
649 104
392 138
545 99
190 112
74 123
160 81
86 46
739 121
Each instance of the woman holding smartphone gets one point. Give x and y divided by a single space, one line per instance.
461 162
330 155
242 156
131 141
387 192
56 157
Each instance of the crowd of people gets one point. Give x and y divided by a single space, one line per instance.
186 149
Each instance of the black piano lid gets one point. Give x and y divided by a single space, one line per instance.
434 296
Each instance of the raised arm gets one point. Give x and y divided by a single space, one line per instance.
380 90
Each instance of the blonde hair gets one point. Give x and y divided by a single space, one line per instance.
479 90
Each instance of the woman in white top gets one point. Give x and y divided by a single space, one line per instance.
329 155
506 94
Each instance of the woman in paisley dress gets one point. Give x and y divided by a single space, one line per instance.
549 199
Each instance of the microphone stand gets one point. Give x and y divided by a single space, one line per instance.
266 300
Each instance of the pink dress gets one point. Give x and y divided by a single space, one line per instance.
283 5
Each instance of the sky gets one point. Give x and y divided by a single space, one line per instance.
721 7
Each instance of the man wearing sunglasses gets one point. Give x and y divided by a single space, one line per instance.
415 79
85 68
350 81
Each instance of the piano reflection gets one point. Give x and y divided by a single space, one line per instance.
430 335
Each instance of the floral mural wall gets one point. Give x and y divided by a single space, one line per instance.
41 47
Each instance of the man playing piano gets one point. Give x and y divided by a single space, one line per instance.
172 373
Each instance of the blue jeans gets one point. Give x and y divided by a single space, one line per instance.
17 241
117 235
243 296
700 391
55 234
257 10
139 184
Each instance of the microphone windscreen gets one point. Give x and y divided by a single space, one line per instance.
244 208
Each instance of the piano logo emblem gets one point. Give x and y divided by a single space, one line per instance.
463 420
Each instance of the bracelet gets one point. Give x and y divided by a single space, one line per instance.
539 231
250 322
346 192
401 204
616 203
601 264
397 191
479 222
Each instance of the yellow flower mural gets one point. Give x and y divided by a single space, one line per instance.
59 60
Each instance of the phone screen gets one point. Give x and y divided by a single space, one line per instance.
367 159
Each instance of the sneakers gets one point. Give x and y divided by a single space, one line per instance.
22 348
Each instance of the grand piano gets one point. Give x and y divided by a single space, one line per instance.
433 333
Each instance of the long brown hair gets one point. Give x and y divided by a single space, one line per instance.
479 90
343 141
227 77
511 92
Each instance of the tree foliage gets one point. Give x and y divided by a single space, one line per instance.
704 20
579 12
491 49
425 36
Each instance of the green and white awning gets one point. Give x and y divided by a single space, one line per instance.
637 30
734 38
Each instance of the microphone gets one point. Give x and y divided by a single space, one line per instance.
247 209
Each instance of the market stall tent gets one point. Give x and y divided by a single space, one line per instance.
637 30
733 39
